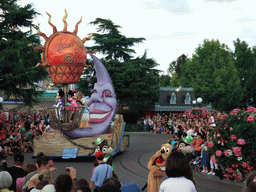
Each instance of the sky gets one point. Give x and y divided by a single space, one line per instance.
171 27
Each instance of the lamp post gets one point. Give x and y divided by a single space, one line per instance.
1 103
194 103
199 101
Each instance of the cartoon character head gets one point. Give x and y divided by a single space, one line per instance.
73 93
60 94
102 103
184 147
162 154
102 145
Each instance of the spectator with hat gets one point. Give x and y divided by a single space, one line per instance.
102 172
15 171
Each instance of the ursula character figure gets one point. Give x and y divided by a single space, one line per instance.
72 99
59 104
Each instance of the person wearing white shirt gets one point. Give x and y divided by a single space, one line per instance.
180 175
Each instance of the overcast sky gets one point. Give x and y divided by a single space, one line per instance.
171 27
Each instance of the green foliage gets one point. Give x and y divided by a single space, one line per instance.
111 43
245 63
17 61
164 81
212 74
234 144
135 80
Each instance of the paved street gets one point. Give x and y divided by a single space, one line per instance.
131 165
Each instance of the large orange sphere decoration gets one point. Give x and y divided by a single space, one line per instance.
64 54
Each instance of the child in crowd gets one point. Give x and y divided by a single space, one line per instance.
205 158
213 164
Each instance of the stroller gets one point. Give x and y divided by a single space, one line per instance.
196 164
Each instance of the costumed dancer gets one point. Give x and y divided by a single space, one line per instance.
60 103
156 166
85 116
72 99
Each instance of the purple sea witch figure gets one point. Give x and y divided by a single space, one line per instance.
102 104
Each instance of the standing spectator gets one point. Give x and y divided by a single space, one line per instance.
64 182
5 181
30 167
197 145
102 172
15 171
145 122
27 124
44 162
180 175
250 184
205 159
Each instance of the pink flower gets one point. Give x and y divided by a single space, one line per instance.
228 152
250 109
210 144
233 137
218 153
250 119
237 151
227 176
245 164
235 111
230 170
241 142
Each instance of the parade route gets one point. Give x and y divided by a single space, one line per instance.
131 165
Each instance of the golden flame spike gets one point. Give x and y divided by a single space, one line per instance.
49 21
64 21
40 33
87 38
76 28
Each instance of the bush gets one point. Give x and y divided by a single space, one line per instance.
234 144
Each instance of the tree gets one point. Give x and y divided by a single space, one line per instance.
18 73
213 75
164 81
135 80
176 65
245 63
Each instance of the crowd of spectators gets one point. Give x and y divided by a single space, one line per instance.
16 135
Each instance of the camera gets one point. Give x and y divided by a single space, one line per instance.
68 169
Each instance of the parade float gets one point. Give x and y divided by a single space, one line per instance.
64 57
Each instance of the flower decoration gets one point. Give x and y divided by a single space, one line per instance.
238 151
218 153
228 152
233 137
250 119
197 113
250 109
235 112
230 170
241 142
210 144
